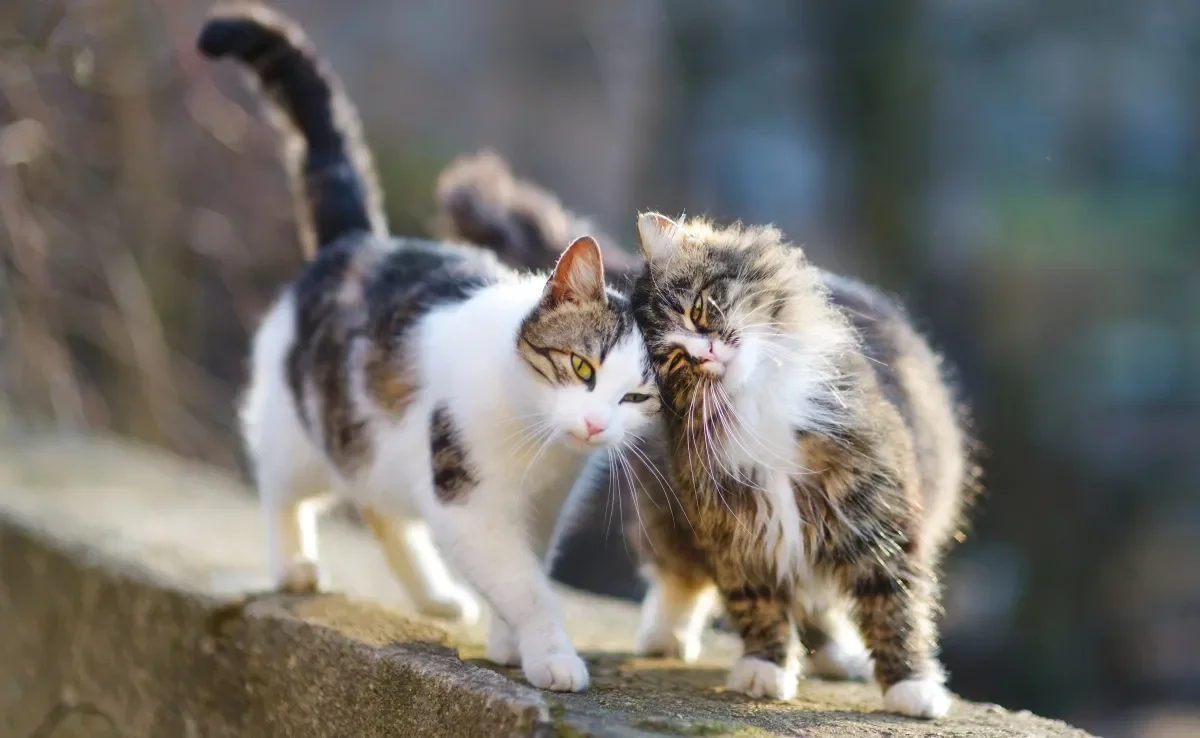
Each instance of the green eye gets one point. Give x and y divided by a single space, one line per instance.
635 398
583 369
698 313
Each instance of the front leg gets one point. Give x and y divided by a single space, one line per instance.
770 663
894 603
894 593
490 548
502 643
868 539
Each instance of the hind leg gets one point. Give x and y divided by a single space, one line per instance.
289 471
674 613
833 644
293 488
292 543
409 550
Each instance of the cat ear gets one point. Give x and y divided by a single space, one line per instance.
660 235
579 274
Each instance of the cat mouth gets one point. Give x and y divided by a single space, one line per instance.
584 443
715 369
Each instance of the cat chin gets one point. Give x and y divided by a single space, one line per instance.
584 447
736 378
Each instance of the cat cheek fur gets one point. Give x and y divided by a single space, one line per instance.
760 350
745 363
621 372
574 405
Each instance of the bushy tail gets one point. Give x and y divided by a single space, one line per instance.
480 201
332 170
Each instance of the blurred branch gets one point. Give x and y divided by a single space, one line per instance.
105 328
40 361
21 142
37 40
878 94
142 274
627 37
212 111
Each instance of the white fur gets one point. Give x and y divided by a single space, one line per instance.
758 678
843 659
924 697
410 552
500 536
660 235
502 643
673 618
769 400
845 656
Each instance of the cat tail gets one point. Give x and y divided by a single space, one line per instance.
479 201
331 170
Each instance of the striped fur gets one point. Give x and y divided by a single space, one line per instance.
817 461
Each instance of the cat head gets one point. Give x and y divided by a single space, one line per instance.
593 383
735 307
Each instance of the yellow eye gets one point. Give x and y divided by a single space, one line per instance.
698 313
583 369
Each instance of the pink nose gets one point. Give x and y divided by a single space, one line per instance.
708 354
593 427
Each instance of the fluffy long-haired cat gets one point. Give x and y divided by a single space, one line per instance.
431 386
817 464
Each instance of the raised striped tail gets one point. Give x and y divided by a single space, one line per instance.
333 168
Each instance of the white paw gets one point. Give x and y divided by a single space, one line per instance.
667 644
558 672
502 645
924 698
842 661
299 577
458 606
759 678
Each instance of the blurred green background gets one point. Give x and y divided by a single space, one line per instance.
1024 174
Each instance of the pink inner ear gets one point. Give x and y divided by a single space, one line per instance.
579 275
665 224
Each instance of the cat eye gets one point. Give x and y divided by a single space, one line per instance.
583 368
698 314
635 398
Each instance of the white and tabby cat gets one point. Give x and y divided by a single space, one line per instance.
434 388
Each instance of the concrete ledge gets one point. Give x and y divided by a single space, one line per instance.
124 613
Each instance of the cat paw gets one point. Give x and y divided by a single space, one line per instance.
300 577
457 606
667 644
557 672
502 645
758 678
922 698
842 661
